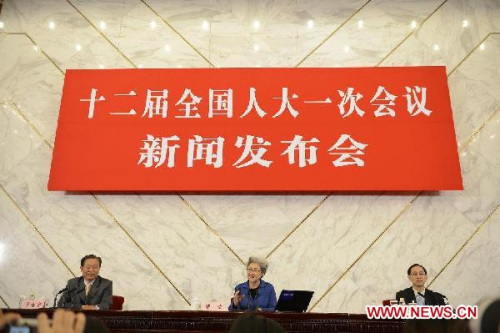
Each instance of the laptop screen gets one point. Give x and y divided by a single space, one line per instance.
294 300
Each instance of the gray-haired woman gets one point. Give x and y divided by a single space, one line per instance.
255 294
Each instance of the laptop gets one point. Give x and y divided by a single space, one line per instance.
294 300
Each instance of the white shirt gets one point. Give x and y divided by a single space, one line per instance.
88 282
420 299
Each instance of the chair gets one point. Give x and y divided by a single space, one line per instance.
117 302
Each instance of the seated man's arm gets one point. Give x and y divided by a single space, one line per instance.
106 299
441 299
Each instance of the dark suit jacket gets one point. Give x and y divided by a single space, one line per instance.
99 294
431 297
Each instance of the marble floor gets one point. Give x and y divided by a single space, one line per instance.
161 250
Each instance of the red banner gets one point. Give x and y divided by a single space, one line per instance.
246 129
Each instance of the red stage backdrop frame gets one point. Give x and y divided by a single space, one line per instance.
256 129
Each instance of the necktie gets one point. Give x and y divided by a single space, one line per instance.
420 299
87 288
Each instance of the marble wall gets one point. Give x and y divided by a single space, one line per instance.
161 251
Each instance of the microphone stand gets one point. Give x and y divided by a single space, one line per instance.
55 298
249 298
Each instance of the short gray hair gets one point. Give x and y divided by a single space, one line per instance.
263 263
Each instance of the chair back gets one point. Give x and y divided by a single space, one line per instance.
117 302
387 302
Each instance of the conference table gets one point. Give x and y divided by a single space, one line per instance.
206 321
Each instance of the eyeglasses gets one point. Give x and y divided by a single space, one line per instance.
418 274
255 270
90 267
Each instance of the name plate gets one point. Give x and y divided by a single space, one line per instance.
33 303
212 306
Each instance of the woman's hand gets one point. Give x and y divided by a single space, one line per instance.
237 298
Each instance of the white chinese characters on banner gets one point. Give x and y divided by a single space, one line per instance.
285 104
161 151
190 102
208 149
348 152
305 151
130 112
252 152
92 100
253 105
350 99
156 103
157 150
384 103
413 94
220 103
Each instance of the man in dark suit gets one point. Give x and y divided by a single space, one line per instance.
417 293
90 291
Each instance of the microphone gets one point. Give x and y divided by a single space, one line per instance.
249 298
58 293
255 300
68 295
